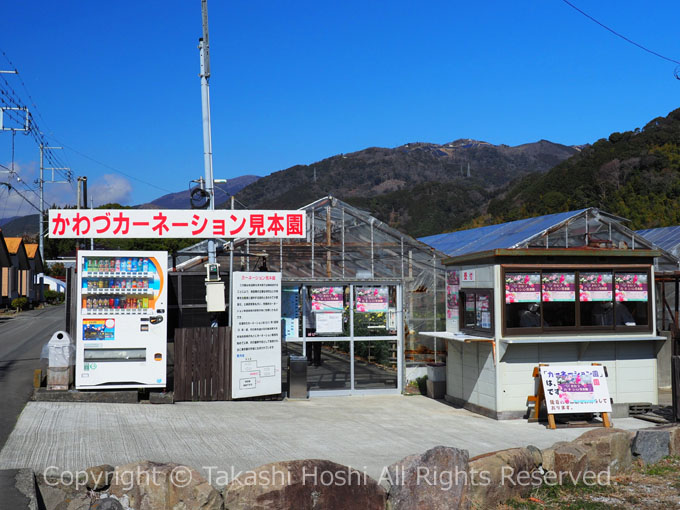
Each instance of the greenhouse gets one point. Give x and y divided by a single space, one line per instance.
356 295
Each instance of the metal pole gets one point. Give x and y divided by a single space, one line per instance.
204 47
343 242
434 274
42 206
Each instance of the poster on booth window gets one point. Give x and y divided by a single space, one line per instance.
575 389
559 287
595 287
522 288
631 287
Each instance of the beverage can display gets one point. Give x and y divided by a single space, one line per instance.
111 283
129 264
117 266
111 302
145 265
145 303
134 264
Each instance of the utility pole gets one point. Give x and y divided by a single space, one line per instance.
204 47
41 183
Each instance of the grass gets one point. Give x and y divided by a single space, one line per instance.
644 487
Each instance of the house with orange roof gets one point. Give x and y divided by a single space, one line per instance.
18 275
5 264
35 283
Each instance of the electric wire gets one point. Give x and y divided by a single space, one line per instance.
617 34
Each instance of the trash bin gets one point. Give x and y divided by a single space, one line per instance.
297 377
59 361
436 380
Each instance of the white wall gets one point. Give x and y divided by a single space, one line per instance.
631 367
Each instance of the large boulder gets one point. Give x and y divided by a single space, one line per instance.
303 485
653 444
66 493
566 462
608 449
156 486
99 477
437 480
502 475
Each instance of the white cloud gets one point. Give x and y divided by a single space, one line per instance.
110 188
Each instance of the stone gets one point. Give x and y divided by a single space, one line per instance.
503 475
566 462
157 486
99 477
310 484
164 397
651 445
608 449
437 479
63 494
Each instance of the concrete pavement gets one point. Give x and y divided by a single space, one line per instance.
367 433
21 340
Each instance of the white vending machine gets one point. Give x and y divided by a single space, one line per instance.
121 328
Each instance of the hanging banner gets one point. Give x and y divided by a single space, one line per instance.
631 287
595 287
575 389
372 299
559 287
256 334
452 289
327 299
175 223
522 288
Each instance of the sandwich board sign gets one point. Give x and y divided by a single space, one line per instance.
575 389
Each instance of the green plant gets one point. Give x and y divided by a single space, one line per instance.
422 384
19 303
54 297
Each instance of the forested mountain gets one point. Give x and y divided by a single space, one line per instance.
421 188
635 174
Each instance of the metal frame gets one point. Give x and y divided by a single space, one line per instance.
399 337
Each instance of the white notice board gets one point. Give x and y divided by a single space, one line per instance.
256 334
575 389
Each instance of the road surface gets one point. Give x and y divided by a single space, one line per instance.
21 340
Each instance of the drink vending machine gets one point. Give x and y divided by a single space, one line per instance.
121 327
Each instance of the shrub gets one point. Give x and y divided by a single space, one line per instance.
53 297
19 303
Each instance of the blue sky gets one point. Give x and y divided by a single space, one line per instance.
295 82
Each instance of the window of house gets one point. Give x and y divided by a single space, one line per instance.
549 300
477 311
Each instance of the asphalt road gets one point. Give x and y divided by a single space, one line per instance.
21 340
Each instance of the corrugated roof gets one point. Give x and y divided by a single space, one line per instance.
666 238
492 237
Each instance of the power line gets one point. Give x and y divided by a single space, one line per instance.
621 35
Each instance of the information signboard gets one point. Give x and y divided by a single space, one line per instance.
575 389
256 334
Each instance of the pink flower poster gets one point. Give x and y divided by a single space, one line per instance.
559 287
595 286
372 299
452 289
522 288
575 389
631 287
327 299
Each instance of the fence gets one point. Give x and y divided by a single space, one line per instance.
202 364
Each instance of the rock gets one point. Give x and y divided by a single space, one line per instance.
499 476
157 486
652 445
565 461
437 479
674 445
607 449
66 494
303 485
99 477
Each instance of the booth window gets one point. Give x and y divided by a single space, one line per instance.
477 311
543 301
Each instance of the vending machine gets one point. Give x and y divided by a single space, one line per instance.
121 328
